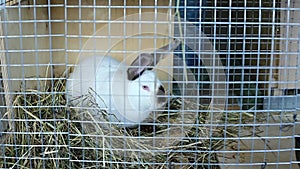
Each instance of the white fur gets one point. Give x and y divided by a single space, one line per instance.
126 100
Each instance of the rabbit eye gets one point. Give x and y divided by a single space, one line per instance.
146 88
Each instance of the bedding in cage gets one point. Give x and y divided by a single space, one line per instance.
43 41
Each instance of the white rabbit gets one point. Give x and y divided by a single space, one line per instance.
129 93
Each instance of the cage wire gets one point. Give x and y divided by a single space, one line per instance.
80 84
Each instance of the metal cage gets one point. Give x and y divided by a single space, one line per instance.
226 72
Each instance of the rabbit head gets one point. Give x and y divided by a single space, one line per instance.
145 90
150 93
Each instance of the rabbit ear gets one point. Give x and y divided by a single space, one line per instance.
145 61
139 65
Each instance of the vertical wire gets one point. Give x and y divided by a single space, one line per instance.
65 11
110 44
256 85
212 81
39 90
228 70
124 47
272 55
82 75
94 67
7 76
242 88
52 84
184 38
139 48
23 82
279 135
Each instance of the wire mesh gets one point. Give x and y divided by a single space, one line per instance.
229 71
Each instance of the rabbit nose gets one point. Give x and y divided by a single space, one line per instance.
162 89
161 95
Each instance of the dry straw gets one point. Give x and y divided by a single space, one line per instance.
48 133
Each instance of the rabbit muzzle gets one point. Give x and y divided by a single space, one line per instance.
161 96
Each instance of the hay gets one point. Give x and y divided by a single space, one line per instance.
162 130
47 133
